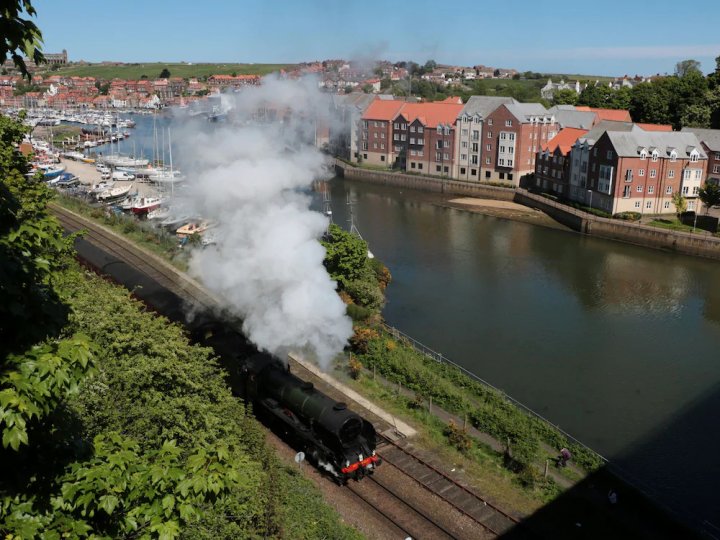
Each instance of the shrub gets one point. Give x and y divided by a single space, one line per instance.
365 293
628 216
358 313
355 367
457 437
361 339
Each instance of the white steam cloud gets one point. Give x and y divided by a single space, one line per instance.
251 178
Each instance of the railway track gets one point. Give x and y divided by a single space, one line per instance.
488 516
382 494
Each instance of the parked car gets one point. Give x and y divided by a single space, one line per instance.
122 176
106 175
103 168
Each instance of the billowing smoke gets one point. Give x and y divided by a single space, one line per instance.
251 177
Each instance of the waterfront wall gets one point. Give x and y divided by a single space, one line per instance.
699 245
424 183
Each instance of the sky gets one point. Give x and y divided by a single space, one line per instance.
611 38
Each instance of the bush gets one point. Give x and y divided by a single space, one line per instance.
358 313
628 216
361 339
458 437
366 293
355 367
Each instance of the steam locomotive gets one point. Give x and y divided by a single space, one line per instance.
333 437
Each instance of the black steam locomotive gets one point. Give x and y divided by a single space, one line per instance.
332 436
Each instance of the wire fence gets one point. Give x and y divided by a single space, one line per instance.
438 357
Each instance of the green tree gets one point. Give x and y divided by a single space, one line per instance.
37 369
565 97
710 196
686 67
680 203
19 35
164 74
345 255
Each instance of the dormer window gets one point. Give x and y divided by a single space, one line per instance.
655 155
694 156
673 155
643 154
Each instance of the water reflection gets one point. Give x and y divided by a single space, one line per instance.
608 340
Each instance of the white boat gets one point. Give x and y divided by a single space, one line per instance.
145 205
193 228
166 177
125 161
159 213
114 194
101 186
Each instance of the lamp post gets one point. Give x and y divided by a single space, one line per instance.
590 192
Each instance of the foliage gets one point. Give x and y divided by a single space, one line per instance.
358 313
565 97
710 196
628 216
184 70
680 203
458 437
37 370
686 67
346 255
355 367
165 74
366 293
19 35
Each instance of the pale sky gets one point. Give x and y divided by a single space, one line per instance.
611 38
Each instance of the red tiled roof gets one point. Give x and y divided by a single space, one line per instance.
617 115
432 114
655 127
564 140
383 109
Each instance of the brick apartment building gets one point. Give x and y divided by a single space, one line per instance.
376 132
637 170
469 135
513 135
710 141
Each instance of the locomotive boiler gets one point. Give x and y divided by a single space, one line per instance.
333 437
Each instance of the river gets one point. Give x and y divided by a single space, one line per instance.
616 344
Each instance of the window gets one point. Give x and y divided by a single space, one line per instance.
695 190
501 162
403 137
446 155
464 144
694 156
420 165
438 156
716 169
475 147
502 176
637 204
503 135
397 125
365 124
666 205
474 159
375 135
446 144
671 173
510 176
686 174
511 149
382 146
473 172
629 175
412 129
488 147
446 169
382 135
412 140
420 130
490 124
691 205
639 189
673 155
462 170
490 136
508 123
412 165
668 190
648 204
643 154
626 192
463 157
464 132
641 172
382 158
396 137
653 173
654 155
475 135
502 149
403 126
374 146
487 161
717 155
698 174
375 124
609 154
510 162
651 189
365 156
487 174
365 146
438 168
413 153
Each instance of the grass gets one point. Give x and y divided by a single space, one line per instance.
673 225
152 70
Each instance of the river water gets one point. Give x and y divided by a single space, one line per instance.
618 345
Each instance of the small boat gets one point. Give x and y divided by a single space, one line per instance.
159 213
166 177
193 228
113 194
145 205
64 180
86 159
52 171
101 186
173 221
